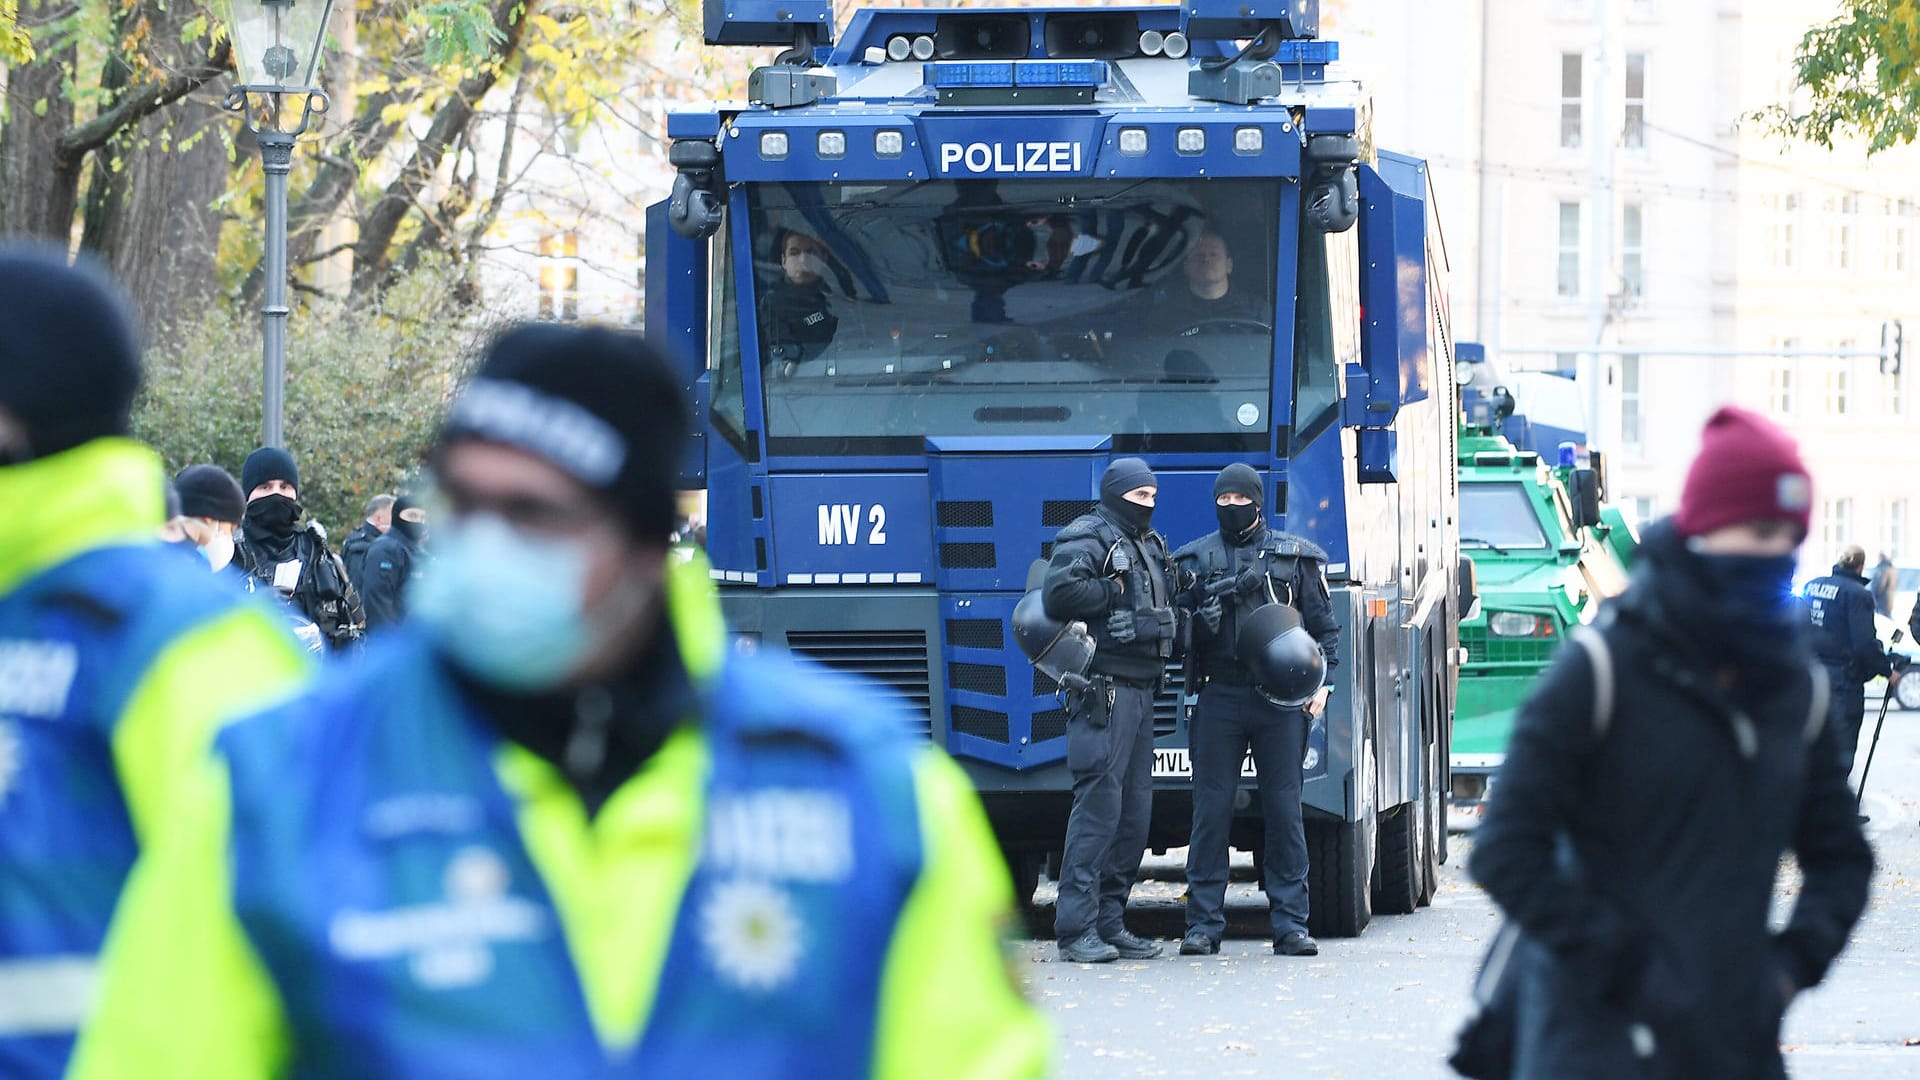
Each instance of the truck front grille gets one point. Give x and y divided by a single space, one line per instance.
896 659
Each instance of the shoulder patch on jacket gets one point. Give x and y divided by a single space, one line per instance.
1084 527
1299 547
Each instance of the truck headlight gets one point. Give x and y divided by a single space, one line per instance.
1514 624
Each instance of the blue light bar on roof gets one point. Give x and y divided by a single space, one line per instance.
1307 52
950 74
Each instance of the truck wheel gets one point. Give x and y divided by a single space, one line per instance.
1026 868
1340 857
1400 860
1906 692
1433 816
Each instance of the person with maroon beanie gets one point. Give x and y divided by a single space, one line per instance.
1656 774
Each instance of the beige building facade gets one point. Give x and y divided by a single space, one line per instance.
1601 183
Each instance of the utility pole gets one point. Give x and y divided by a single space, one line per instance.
1599 134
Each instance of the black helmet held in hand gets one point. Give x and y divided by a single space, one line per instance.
1061 651
1285 661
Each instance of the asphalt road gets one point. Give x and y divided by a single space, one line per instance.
1387 1004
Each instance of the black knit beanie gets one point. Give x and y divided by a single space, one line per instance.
1238 479
268 463
599 405
209 491
69 354
1124 475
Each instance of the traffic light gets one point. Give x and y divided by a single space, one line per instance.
1893 347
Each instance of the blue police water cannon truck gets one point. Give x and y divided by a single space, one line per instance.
945 264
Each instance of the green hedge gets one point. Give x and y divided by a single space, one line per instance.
365 391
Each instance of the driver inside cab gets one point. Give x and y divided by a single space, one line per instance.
1205 291
797 321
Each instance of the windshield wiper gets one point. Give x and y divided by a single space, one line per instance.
1488 544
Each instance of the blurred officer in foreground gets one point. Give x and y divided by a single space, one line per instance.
117 656
1840 610
211 507
394 562
556 827
1263 639
281 548
355 545
1111 570
1655 776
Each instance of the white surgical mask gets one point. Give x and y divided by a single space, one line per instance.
505 606
219 550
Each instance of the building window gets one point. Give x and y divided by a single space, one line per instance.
560 276
1632 252
1633 134
1893 392
1566 361
1837 374
1899 212
1786 218
1780 381
1570 100
1641 507
1841 231
1567 273
1836 526
1630 401
1893 528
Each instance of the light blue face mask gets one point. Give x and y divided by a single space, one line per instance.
507 607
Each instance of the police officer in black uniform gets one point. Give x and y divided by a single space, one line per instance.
1111 570
1227 576
1840 609
798 322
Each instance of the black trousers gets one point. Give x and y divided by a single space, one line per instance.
1846 711
1112 808
1232 720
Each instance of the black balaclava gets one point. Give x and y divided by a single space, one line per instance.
1124 475
415 532
1238 524
271 520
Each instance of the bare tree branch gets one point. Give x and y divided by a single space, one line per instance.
140 102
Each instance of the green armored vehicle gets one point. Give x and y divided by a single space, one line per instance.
1545 553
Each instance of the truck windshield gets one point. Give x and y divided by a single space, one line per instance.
1138 309
1498 516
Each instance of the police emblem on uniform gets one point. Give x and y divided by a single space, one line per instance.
753 934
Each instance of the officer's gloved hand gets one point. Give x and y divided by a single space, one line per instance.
1155 624
1211 613
1120 627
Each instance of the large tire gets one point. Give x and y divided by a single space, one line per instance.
1906 692
1400 836
1340 858
1027 868
1433 817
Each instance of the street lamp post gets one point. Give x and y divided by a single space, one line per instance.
276 48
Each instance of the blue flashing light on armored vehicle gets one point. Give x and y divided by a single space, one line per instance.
946 263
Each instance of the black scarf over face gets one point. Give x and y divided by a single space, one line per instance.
271 522
1134 518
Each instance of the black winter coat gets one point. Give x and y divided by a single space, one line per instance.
391 564
1640 863
353 552
1084 581
322 593
1840 610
